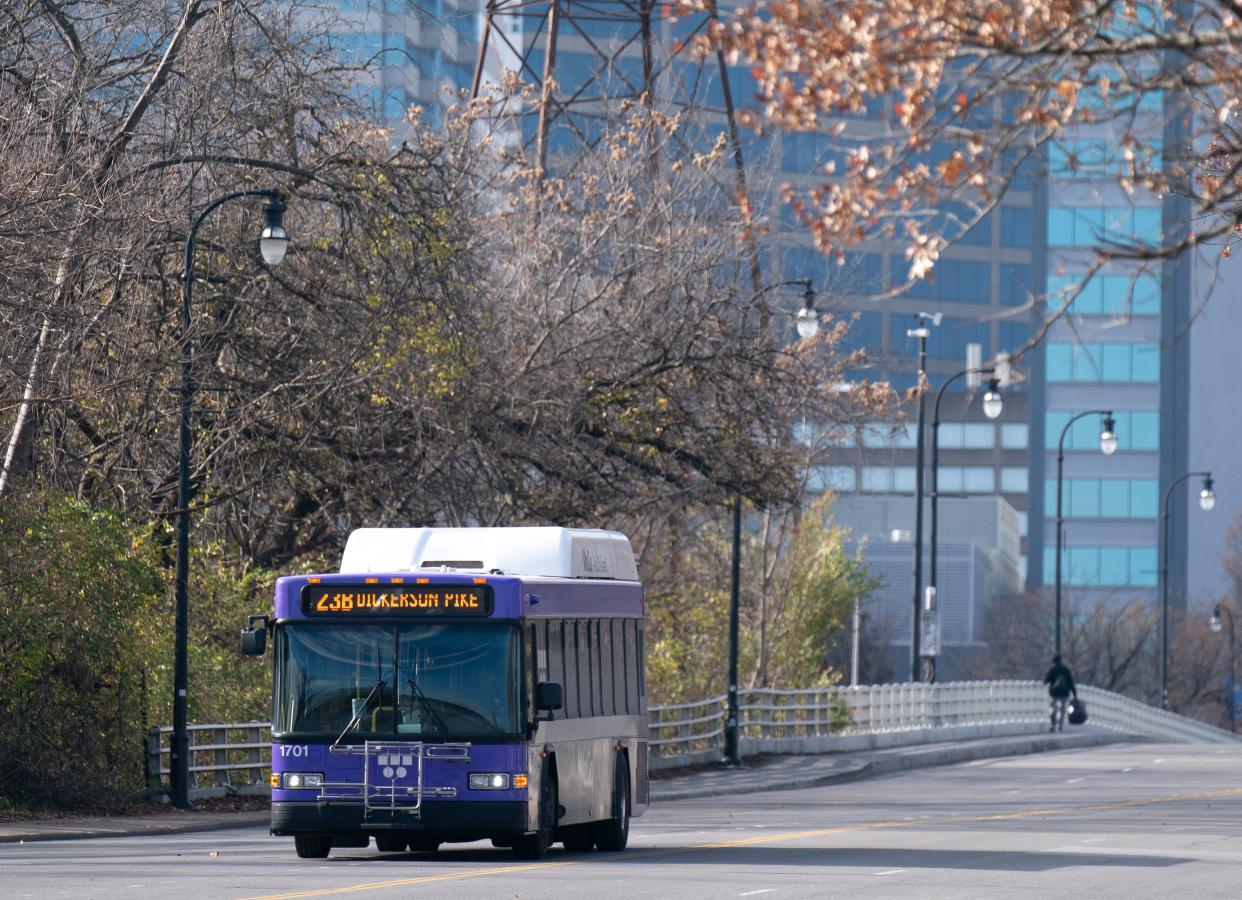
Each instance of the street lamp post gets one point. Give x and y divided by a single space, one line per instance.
1215 625
273 241
1207 499
922 332
807 323
993 405
1108 446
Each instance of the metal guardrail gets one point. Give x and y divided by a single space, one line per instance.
235 758
226 758
819 720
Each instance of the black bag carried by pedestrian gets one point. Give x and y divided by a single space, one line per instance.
1076 712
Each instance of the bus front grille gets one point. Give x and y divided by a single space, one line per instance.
393 782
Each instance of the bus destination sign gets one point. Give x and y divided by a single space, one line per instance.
365 600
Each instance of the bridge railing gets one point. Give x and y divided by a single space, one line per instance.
225 758
235 757
821 720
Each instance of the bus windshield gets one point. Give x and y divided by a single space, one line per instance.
409 681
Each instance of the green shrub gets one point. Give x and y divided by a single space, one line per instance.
80 623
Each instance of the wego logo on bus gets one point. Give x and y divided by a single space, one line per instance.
396 599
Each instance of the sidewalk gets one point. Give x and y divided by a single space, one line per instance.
160 821
769 773
766 773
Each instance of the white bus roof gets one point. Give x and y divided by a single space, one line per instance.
548 552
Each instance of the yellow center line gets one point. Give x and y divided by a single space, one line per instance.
762 839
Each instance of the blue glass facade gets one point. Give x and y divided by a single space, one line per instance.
1103 352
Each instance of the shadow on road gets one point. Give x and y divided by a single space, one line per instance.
851 858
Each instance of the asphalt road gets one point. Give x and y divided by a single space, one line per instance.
1136 820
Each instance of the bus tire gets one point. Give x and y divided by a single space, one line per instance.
312 846
535 846
389 843
424 844
613 834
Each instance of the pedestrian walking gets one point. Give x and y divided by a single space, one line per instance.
1060 687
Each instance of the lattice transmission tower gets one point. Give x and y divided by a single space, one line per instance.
587 60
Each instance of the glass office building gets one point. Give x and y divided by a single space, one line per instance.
1122 345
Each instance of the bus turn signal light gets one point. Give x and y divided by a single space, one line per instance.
519 781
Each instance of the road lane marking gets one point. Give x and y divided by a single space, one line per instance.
760 891
758 840
892 871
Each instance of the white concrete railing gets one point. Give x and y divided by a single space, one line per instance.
812 720
234 758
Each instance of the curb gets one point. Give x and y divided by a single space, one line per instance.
224 822
910 758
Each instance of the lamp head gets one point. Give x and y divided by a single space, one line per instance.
1108 437
273 239
993 402
807 320
1214 622
1207 496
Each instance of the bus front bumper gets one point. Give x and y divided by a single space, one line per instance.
449 821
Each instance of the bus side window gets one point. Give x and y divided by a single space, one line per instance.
631 665
616 627
574 667
598 668
606 667
642 671
586 668
556 664
532 669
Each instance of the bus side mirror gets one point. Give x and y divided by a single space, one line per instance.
254 640
549 695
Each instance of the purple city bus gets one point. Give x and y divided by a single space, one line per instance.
459 684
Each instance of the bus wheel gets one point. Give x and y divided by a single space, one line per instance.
535 846
613 834
389 843
312 846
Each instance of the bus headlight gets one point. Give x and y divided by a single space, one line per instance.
488 781
302 780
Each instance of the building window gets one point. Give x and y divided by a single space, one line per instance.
1087 226
1014 480
1094 362
1104 566
888 435
1015 437
979 436
1138 430
877 479
1015 284
1015 226
834 478
957 280
949 479
978 479
1103 498
1107 295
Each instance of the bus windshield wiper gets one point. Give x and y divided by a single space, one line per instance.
357 719
426 705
